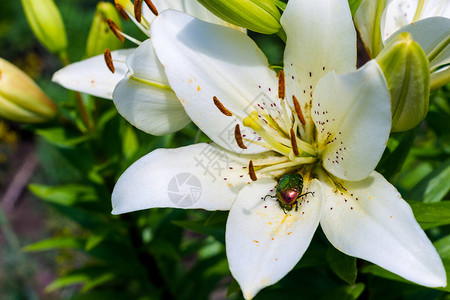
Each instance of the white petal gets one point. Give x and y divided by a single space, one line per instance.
399 13
92 76
191 7
369 219
204 60
365 18
320 38
197 176
263 242
430 33
352 113
152 106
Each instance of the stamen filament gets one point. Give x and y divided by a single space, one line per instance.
269 161
253 122
297 161
150 83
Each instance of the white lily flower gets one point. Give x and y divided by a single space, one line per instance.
321 120
145 84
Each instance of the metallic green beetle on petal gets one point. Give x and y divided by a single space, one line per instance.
289 189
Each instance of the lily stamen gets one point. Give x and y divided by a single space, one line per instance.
222 108
138 10
281 85
251 171
122 12
115 30
108 60
151 6
294 143
298 110
119 34
238 137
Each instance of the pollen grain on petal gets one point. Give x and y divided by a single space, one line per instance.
281 85
138 10
151 6
108 60
222 108
238 137
251 171
298 110
115 30
294 142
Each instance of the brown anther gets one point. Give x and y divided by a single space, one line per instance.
222 108
298 110
138 10
108 60
281 85
151 7
251 171
294 142
238 137
115 30
122 11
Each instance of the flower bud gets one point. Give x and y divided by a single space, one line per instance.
21 99
406 68
100 36
46 22
257 15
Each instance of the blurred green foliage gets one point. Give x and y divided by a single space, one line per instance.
178 254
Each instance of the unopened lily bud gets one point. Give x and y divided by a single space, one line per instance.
46 22
21 99
406 68
257 15
100 35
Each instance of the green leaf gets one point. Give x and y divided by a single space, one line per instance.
431 215
396 152
217 231
343 266
380 272
233 288
61 137
433 187
345 292
55 243
93 241
443 247
64 194
130 144
354 5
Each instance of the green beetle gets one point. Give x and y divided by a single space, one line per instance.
289 189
